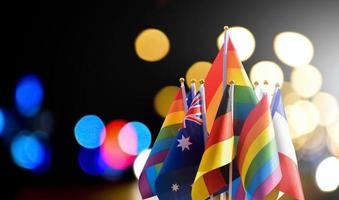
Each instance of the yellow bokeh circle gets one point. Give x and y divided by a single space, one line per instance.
197 71
164 98
306 80
152 45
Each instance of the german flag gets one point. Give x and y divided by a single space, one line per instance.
212 175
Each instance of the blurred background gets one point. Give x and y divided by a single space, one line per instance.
84 87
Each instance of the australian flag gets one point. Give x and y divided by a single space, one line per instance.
180 167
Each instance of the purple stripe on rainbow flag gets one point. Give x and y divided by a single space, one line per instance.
269 184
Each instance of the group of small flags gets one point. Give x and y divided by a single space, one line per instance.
223 139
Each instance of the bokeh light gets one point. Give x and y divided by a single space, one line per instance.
294 49
297 120
110 150
112 174
306 80
267 70
327 174
291 98
315 146
327 106
312 113
28 152
29 95
2 121
243 41
134 137
90 161
152 45
140 162
197 71
90 131
333 139
286 88
164 98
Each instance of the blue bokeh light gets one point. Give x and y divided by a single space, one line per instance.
90 161
2 121
28 152
144 136
90 131
134 137
29 95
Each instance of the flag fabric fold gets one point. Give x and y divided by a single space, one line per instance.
212 175
258 160
178 172
290 182
164 141
214 84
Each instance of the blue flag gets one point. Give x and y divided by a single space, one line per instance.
179 169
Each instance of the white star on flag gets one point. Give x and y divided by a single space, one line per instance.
175 187
184 143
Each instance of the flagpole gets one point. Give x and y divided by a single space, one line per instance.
230 172
183 92
224 81
224 60
202 93
193 84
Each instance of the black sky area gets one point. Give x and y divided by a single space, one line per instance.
84 54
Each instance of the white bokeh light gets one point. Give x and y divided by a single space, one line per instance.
140 162
306 80
243 41
327 174
267 71
294 49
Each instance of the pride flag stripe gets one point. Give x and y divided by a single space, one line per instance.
258 160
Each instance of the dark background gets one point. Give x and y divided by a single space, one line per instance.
84 54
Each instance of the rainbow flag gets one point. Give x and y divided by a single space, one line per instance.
244 97
258 160
212 175
163 143
290 182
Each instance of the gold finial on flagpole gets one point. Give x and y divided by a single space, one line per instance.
265 82
232 82
256 83
226 28
192 80
277 85
201 81
182 80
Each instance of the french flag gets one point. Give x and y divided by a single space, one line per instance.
290 182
